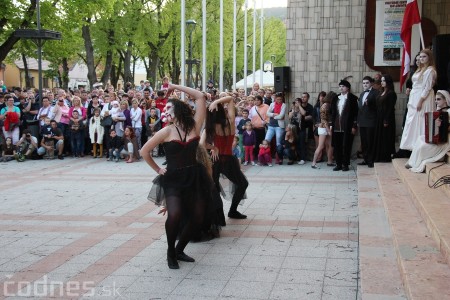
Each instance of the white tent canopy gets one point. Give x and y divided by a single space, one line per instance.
268 80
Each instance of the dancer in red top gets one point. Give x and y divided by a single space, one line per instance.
218 136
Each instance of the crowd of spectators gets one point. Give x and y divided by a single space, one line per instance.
102 123
114 124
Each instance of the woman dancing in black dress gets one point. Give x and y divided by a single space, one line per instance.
180 187
218 136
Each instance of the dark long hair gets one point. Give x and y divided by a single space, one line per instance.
389 83
329 97
323 94
218 116
132 134
184 115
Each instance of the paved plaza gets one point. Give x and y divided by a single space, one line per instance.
83 228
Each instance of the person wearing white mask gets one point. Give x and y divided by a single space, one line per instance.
424 153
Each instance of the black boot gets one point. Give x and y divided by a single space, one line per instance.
234 214
184 257
172 260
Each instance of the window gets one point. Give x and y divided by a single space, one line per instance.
45 83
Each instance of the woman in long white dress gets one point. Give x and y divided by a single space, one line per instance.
421 100
424 153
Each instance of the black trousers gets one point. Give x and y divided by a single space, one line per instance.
367 135
228 165
342 143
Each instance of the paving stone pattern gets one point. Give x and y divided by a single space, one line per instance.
83 229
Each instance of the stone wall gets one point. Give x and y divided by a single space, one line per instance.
439 12
325 43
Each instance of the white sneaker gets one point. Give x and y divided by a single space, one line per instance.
245 163
253 163
269 165
302 162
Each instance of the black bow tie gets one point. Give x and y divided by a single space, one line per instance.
367 91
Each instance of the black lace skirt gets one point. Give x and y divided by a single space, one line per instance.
193 182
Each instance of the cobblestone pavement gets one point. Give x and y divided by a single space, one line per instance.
82 228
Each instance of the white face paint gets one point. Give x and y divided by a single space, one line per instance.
170 115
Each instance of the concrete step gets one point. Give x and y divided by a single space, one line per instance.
379 274
432 204
423 268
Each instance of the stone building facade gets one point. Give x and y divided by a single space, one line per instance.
326 42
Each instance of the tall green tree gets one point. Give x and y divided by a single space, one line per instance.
14 15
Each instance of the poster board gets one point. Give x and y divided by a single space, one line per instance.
388 24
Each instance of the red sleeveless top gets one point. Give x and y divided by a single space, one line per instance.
224 143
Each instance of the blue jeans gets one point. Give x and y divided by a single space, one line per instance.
137 133
76 139
114 154
277 131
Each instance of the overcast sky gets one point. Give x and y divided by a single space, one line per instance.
268 3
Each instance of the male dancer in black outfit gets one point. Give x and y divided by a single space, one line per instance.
367 116
344 114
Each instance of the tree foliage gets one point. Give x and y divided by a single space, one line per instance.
111 35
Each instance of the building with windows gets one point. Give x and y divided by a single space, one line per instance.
14 74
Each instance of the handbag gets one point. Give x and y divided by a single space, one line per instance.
106 121
32 121
265 124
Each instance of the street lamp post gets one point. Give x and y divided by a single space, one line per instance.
191 27
249 46
245 45
254 42
38 36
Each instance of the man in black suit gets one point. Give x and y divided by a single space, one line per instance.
344 114
367 115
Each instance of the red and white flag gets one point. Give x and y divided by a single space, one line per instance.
411 17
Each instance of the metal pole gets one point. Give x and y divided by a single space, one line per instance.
245 46
262 44
204 46
254 42
234 45
39 44
190 59
183 50
221 88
